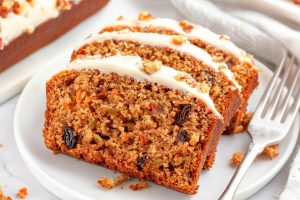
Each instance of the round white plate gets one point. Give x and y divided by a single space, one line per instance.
69 178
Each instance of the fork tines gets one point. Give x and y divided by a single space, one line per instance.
281 100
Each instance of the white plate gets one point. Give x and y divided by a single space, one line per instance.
69 178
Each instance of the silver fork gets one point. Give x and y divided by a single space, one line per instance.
273 117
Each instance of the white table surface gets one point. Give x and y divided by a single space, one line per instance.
13 172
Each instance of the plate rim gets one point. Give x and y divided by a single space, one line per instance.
62 191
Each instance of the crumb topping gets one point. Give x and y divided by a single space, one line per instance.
151 67
145 16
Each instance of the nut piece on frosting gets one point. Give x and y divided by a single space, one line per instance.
145 16
178 40
151 67
186 26
64 4
224 37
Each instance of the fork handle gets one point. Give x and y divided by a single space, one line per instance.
250 156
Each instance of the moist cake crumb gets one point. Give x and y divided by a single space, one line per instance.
237 158
22 193
109 183
139 186
271 151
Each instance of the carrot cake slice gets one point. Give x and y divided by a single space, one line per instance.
218 46
27 25
132 115
176 52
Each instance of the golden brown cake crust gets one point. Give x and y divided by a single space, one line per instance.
116 126
47 32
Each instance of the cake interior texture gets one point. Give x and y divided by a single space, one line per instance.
130 126
225 98
245 72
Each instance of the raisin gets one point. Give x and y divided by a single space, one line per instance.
189 175
182 136
230 63
69 138
141 161
105 137
171 167
148 87
181 116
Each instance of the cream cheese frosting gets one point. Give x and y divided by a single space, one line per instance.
132 66
31 16
154 39
196 32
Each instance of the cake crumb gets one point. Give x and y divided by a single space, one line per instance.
3 197
139 186
237 158
22 193
271 151
109 183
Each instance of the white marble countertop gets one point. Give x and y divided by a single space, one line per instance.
13 172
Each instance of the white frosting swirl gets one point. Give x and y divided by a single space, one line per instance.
197 32
161 40
132 66
28 19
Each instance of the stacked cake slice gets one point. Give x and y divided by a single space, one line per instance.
149 104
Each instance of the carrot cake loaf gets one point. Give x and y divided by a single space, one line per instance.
27 25
176 52
132 114
218 46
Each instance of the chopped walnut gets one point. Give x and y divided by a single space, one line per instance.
224 37
109 183
22 193
204 87
178 40
151 67
186 26
186 78
237 158
145 16
271 151
64 4
139 186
